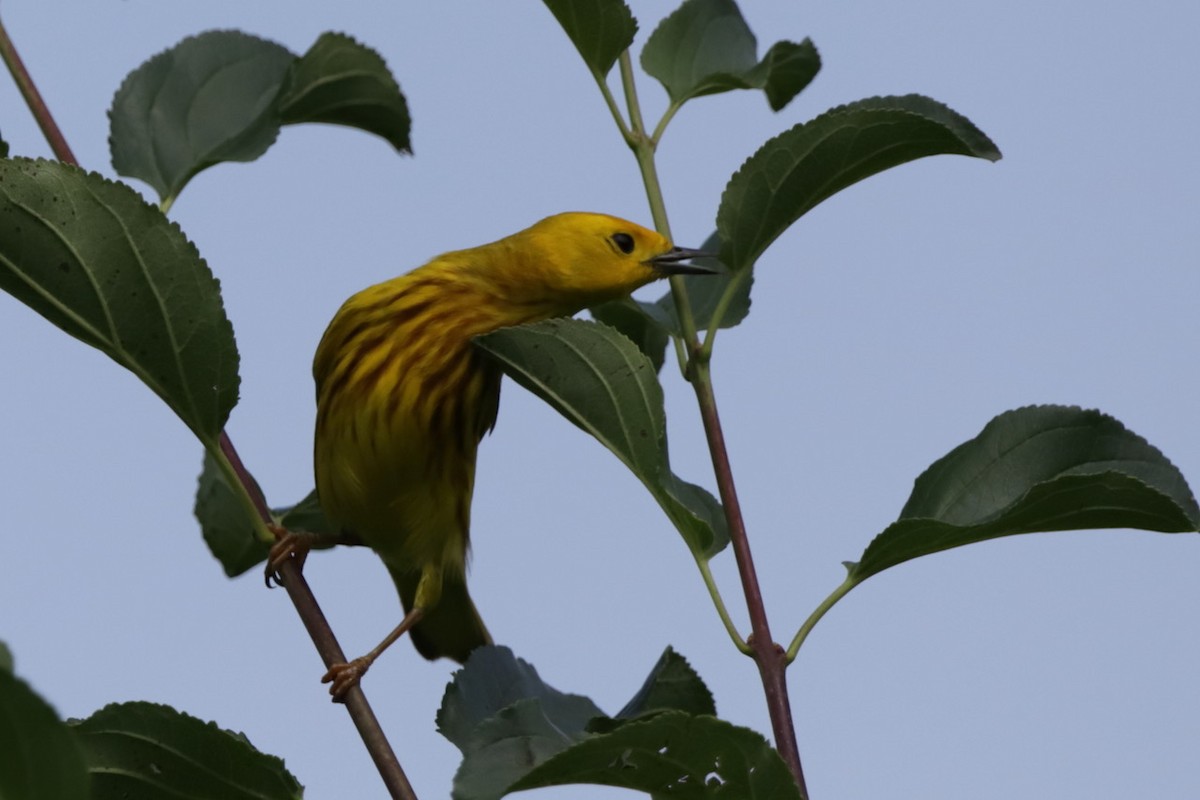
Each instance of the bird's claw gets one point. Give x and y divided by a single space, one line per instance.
344 677
288 545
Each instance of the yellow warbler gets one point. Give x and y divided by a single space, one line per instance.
403 400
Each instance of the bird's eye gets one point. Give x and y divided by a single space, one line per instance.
624 242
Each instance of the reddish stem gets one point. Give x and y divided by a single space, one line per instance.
769 656
355 701
33 99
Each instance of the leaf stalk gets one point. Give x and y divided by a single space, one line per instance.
722 308
722 611
611 102
815 617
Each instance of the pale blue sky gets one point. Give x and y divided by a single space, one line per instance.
888 326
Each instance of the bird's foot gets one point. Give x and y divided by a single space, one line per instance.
288 545
344 677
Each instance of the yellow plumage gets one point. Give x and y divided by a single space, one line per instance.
403 398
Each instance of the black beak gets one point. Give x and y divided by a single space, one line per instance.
669 262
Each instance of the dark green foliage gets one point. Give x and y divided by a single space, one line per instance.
222 96
342 82
677 755
600 30
705 47
146 751
507 722
229 529
95 259
39 758
598 379
1038 468
800 167
208 99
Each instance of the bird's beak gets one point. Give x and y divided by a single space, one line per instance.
669 262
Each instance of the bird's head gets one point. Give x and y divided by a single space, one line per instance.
582 259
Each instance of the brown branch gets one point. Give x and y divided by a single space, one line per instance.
355 700
323 638
33 99
769 656
293 580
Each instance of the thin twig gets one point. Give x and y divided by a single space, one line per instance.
33 99
355 700
246 479
770 657
323 638
293 580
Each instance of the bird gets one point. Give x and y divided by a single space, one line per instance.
404 399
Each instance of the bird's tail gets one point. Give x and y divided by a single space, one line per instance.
452 628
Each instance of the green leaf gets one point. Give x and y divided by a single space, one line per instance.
673 754
208 99
225 523
627 316
671 686
796 170
599 380
785 71
705 47
222 95
40 758
6 658
342 82
142 751
1038 468
600 30
306 516
705 295
230 531
505 720
724 295
95 259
